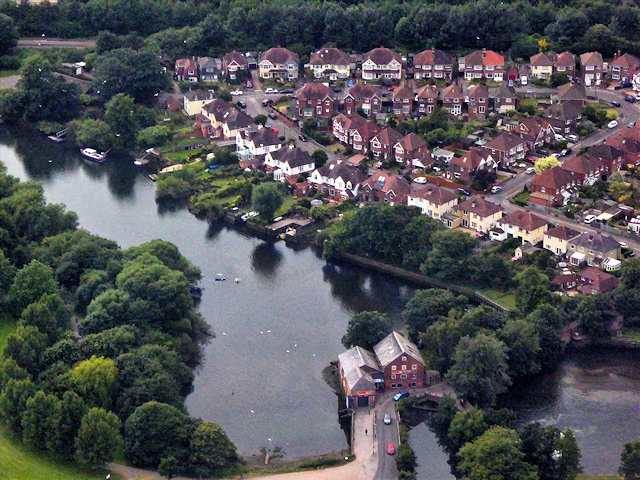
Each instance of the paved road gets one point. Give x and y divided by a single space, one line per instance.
386 434
44 42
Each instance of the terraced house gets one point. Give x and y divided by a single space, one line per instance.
382 63
330 63
279 63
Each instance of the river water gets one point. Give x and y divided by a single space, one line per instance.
278 328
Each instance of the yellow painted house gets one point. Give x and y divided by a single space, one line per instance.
556 240
526 226
433 201
331 63
541 66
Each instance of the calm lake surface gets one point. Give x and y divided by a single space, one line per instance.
277 329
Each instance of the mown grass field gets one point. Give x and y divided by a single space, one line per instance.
507 300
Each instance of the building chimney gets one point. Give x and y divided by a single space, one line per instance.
484 52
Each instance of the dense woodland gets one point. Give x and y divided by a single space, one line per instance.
120 376
198 27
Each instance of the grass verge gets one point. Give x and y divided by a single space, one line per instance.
507 300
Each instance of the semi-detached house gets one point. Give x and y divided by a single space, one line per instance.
368 97
482 64
330 63
525 226
432 200
279 63
381 63
478 214
433 64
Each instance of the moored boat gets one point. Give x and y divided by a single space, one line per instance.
94 155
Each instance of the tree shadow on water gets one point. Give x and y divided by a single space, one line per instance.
265 259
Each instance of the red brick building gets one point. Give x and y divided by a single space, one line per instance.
478 101
427 99
433 64
401 362
367 97
382 143
314 100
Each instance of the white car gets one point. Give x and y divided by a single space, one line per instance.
496 189
556 155
612 124
387 419
530 171
589 218
236 92
573 138
271 90
420 180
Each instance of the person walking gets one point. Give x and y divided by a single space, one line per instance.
366 432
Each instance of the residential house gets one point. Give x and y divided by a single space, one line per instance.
478 214
535 131
610 158
220 119
360 375
482 64
354 131
186 70
288 163
383 142
432 200
279 63
338 180
401 362
382 63
314 100
506 149
195 100
624 67
209 68
505 100
466 166
572 92
427 99
412 150
634 225
526 226
565 63
385 186
523 75
512 75
595 281
330 63
565 281
478 101
628 145
255 142
552 187
591 68
541 66
584 169
232 63
565 116
452 100
592 249
367 97
556 239
433 64
403 98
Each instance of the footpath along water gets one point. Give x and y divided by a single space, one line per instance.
266 389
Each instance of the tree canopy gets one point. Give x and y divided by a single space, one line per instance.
365 329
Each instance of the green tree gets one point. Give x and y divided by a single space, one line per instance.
554 453
630 461
266 199
319 157
96 380
7 274
532 290
211 449
156 431
169 255
92 133
8 35
442 418
26 346
39 421
559 78
13 402
480 367
406 458
49 315
120 116
365 329
595 315
428 306
72 409
466 427
523 347
630 274
154 136
172 187
450 257
495 455
98 439
30 283
261 119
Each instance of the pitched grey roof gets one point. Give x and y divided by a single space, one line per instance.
393 346
596 242
357 364
293 156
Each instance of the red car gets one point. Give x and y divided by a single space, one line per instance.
391 449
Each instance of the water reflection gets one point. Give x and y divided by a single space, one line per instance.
265 259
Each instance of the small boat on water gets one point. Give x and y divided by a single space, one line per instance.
94 155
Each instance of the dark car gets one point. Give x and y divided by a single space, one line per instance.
266 102
400 395
286 90
303 138
626 84
464 192
241 104
542 151
630 99
615 104
272 115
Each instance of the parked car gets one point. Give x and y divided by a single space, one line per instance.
630 99
612 124
566 152
464 192
573 138
556 155
400 395
303 138
272 115
542 151
530 171
236 92
241 104
615 104
589 218
422 180
286 90
496 189
266 102
626 84
391 449
387 419
631 125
